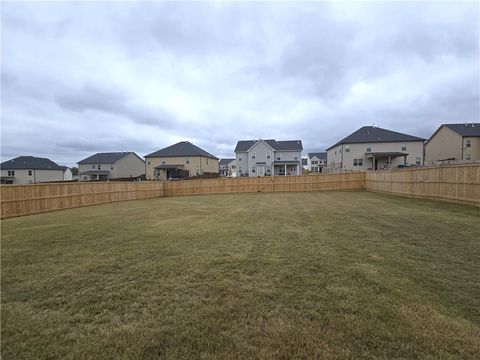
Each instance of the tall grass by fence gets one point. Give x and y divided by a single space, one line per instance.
451 183
460 183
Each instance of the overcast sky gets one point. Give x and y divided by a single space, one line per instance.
83 78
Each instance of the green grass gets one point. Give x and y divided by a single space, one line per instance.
292 275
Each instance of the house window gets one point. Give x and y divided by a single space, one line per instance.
268 169
404 147
253 155
111 167
187 161
253 169
207 160
335 152
239 159
268 154
148 162
468 157
29 172
347 148
99 167
369 148
163 162
360 162
278 157
314 162
93 166
418 160
295 158
355 162
468 143
11 172
240 170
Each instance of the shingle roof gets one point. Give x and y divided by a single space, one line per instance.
225 161
320 155
371 134
472 129
288 145
183 148
30 163
106 157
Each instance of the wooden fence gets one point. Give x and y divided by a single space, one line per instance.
452 183
460 183
18 200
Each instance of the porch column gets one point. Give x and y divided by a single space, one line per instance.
373 162
389 162
405 160
285 169
298 170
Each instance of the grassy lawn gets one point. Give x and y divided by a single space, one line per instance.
292 275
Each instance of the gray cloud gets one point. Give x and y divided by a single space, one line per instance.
84 77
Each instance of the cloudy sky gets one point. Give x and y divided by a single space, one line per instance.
82 78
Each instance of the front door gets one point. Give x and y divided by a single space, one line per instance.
260 170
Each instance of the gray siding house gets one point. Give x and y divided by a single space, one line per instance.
29 170
269 157
227 167
316 161
111 165
374 148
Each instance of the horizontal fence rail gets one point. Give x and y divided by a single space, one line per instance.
459 183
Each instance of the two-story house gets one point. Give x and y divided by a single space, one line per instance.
179 160
269 157
454 142
227 167
30 170
373 148
111 165
316 161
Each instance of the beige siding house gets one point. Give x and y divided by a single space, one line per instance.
111 165
180 160
374 148
453 142
30 170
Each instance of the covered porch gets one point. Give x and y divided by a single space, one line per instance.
284 168
383 160
94 175
167 172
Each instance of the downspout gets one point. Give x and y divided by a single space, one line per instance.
341 161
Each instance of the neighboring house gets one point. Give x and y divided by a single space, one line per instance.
454 142
67 173
304 163
316 161
111 165
29 170
227 167
373 148
269 157
179 160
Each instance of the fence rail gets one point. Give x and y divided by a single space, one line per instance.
459 183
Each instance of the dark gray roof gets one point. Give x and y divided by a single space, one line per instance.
472 129
288 145
106 157
371 134
320 155
30 163
225 161
183 148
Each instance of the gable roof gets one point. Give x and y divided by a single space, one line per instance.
106 157
372 134
472 129
30 163
287 145
181 149
225 161
320 155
